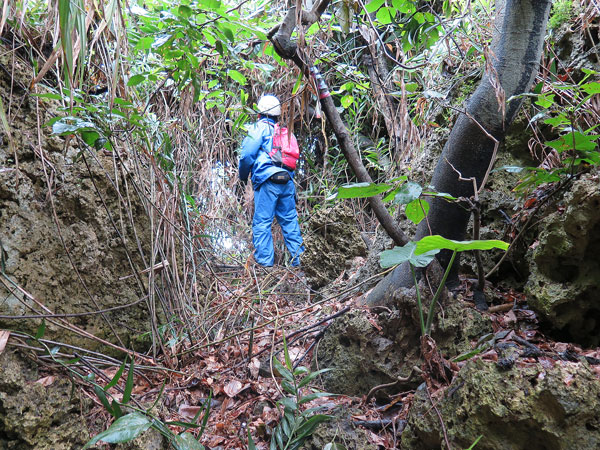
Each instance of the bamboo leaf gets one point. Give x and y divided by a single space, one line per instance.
129 383
102 397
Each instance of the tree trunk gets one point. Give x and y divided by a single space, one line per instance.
516 51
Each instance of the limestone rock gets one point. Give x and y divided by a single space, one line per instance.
565 276
33 416
534 407
332 240
363 356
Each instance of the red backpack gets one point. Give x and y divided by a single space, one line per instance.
285 151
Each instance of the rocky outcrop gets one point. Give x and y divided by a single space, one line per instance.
551 406
565 268
364 356
332 240
34 416
70 230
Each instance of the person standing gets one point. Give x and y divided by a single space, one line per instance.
273 184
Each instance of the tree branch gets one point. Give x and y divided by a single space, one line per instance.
280 37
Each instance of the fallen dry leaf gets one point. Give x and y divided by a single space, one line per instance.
46 381
188 411
254 367
233 388
3 339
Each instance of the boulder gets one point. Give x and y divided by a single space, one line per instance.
549 406
565 269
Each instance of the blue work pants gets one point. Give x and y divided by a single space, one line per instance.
270 201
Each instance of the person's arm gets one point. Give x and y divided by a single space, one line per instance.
250 148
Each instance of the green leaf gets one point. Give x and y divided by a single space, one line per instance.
123 429
574 140
436 242
309 426
300 371
116 409
251 445
227 32
469 355
185 11
187 441
90 138
314 395
212 5
278 435
417 210
361 190
129 383
288 387
347 100
102 397
289 404
440 195
472 446
406 253
145 43
136 79
117 376
545 100
307 379
237 76
220 48
374 5
557 121
286 354
283 371
408 192
403 6
71 125
385 15
591 88
49 95
41 330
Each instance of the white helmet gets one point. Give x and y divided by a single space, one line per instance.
269 105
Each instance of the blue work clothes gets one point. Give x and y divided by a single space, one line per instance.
255 154
271 200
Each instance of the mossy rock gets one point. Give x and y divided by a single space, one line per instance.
332 240
33 416
535 407
363 356
565 268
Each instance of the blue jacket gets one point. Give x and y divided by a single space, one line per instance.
255 157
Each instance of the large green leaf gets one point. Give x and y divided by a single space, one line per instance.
575 140
436 242
71 125
417 210
123 429
361 190
187 441
408 192
407 253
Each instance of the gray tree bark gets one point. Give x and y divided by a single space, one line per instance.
516 50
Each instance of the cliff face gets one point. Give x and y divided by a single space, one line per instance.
71 225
